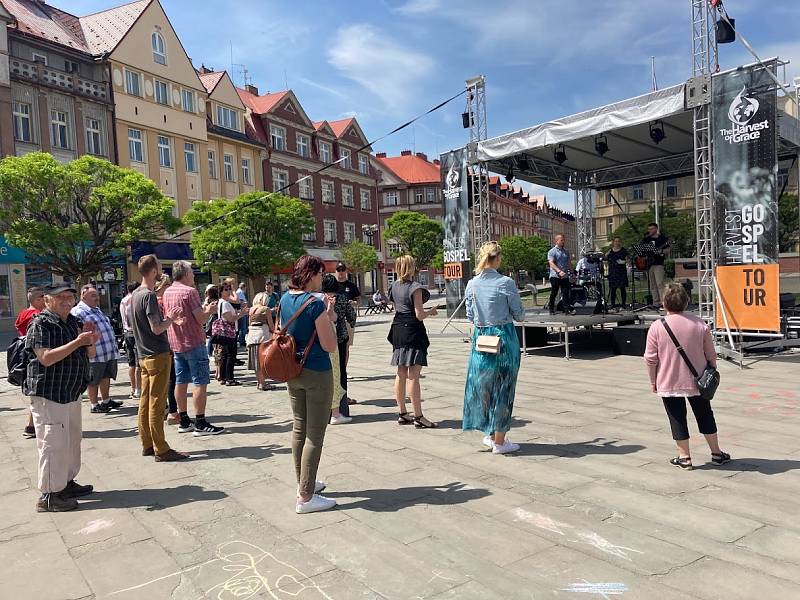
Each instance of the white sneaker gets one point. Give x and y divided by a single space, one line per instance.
340 420
505 448
318 487
488 441
317 503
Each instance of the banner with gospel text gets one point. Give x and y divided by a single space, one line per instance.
455 196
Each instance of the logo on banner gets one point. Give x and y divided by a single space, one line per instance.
741 111
453 184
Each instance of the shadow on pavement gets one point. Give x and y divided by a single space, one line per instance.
577 449
392 500
358 379
258 452
766 466
151 498
282 427
110 433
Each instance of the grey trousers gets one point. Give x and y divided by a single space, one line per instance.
310 395
656 278
58 438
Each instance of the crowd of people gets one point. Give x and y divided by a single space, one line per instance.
168 329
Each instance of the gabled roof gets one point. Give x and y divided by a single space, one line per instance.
340 127
210 80
324 127
261 104
104 30
48 23
411 168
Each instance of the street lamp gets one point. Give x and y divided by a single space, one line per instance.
369 231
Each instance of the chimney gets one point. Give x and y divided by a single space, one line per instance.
252 89
423 156
380 155
405 153
436 162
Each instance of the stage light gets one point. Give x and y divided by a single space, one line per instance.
601 144
560 155
465 120
657 132
726 32
510 174
523 164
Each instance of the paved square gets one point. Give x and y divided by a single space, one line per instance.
589 508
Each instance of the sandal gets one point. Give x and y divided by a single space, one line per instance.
720 458
351 401
405 419
233 382
421 422
684 462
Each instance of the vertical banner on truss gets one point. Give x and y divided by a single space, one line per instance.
745 186
455 195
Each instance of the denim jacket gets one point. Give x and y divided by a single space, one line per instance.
493 299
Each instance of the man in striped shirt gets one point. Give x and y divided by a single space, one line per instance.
57 376
103 367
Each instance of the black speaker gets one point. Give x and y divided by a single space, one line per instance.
787 300
725 33
534 336
629 339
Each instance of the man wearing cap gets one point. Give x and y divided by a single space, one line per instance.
57 376
103 366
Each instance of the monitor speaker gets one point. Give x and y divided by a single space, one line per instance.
725 33
629 339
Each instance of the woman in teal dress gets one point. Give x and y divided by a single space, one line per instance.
493 304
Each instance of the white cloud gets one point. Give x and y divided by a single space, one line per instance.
419 7
389 70
323 88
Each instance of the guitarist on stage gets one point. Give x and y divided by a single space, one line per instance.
655 263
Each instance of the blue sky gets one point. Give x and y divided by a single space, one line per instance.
387 60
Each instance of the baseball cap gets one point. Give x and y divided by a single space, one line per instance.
53 289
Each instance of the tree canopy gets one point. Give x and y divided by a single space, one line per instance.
524 253
358 256
251 235
76 218
416 234
680 228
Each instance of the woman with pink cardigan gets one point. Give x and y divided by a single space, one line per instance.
671 378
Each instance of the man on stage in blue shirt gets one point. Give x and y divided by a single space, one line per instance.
559 262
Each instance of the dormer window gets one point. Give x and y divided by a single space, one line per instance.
159 48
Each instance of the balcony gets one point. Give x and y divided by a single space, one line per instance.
61 80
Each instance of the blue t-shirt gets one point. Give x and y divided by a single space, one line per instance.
303 326
560 258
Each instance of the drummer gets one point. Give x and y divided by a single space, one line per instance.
587 270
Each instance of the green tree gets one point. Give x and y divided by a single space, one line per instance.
788 222
680 228
358 256
524 253
416 234
250 235
76 218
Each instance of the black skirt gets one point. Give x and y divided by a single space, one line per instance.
409 339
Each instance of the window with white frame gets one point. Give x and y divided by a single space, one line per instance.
227 163
783 176
161 92
227 118
325 152
190 154
303 145
363 164
349 232
394 247
671 188
345 163
347 196
366 200
159 48
391 198
133 83
330 231
59 129
328 195
638 194
187 100
277 137
212 164
94 136
311 236
306 188
135 145
419 196
430 195
246 173
22 121
165 152
280 181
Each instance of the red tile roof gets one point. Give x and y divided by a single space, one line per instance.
261 104
340 126
105 29
412 169
48 23
210 80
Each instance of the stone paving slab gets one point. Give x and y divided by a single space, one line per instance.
588 507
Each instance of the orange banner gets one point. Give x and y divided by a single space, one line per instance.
750 295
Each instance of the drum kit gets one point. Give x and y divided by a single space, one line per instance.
588 283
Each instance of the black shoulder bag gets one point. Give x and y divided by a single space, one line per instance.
708 381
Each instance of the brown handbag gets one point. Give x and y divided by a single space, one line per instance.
277 357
